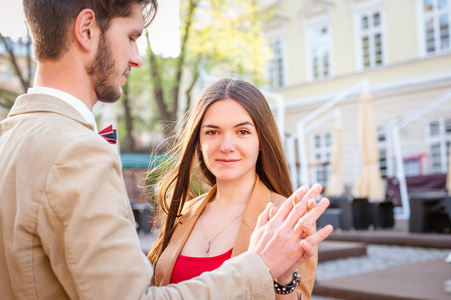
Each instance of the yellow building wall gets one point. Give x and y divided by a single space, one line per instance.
405 83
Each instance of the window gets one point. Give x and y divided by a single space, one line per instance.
276 65
436 15
322 143
382 145
319 41
412 165
439 133
371 39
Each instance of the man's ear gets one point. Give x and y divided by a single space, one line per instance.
86 29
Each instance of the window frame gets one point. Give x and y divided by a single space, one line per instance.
282 65
421 31
443 140
382 145
326 47
369 7
325 152
323 20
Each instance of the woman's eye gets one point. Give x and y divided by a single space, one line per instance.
243 132
210 132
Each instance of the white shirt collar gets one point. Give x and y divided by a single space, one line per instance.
77 104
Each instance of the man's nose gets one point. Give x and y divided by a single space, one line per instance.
135 59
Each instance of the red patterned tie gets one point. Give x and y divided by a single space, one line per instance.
109 134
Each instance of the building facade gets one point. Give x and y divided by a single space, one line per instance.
327 52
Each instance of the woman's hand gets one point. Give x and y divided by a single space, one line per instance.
279 237
307 223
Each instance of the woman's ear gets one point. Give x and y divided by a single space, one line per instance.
86 29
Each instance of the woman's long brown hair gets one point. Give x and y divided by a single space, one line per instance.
175 188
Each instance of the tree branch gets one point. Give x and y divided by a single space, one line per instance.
12 58
7 98
157 82
181 58
130 141
190 88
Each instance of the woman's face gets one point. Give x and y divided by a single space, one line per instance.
229 141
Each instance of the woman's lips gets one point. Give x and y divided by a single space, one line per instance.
227 161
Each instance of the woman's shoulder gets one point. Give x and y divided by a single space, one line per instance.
277 199
190 204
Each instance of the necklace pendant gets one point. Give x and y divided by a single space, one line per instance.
208 247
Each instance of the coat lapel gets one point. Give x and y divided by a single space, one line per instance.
178 239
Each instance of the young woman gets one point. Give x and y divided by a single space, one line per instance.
231 137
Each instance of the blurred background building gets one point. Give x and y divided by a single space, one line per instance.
327 53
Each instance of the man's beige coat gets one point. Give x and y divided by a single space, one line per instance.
66 226
260 197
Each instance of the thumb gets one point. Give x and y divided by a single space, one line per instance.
264 217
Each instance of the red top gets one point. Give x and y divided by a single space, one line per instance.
187 267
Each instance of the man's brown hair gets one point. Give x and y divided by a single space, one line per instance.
49 20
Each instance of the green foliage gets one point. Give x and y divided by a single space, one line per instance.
165 165
217 37
231 39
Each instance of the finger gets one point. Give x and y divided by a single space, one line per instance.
272 212
319 236
311 204
308 221
301 208
309 250
264 217
287 205
300 194
314 192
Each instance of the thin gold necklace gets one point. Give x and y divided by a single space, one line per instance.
211 240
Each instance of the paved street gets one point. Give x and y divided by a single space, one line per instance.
378 257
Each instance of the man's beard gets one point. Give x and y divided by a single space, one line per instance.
102 72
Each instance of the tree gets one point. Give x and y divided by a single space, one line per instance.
136 113
215 35
21 62
129 140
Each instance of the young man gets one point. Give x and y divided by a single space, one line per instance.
66 226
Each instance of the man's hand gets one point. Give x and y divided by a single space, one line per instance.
278 236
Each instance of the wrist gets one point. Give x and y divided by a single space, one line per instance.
281 288
285 279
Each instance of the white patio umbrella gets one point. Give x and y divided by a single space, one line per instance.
334 185
370 184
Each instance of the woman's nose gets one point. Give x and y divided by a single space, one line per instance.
227 144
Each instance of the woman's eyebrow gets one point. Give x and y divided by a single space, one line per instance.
244 123
237 125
